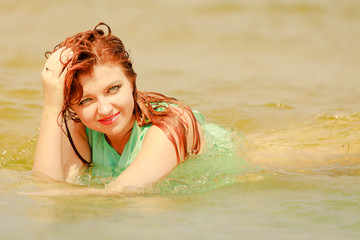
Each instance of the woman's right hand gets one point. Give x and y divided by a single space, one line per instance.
54 156
53 78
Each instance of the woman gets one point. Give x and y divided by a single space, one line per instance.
95 118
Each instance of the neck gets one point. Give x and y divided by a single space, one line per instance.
119 141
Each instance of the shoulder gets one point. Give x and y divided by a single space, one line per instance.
72 163
183 129
158 148
156 159
77 129
77 141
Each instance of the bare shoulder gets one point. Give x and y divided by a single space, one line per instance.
71 162
79 138
155 160
158 150
77 129
157 143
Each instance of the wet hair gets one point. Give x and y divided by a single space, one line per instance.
95 47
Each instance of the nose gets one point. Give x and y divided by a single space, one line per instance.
104 107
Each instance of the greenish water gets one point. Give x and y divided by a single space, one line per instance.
284 74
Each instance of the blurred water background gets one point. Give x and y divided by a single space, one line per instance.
284 74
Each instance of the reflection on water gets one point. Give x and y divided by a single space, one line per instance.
284 74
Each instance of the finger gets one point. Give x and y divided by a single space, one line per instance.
58 60
53 65
63 73
53 58
61 60
66 57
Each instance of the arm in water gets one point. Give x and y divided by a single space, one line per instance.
53 156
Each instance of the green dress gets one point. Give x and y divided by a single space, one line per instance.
107 162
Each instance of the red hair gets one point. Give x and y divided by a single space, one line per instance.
94 47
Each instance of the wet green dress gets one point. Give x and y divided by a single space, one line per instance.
108 163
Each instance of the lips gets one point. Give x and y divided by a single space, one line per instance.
110 120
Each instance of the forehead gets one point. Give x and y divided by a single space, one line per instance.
102 76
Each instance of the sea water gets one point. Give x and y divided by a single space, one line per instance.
281 76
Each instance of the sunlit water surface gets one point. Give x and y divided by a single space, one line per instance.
282 74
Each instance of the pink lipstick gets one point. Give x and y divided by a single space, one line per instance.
110 120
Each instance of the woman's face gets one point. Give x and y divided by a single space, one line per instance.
107 104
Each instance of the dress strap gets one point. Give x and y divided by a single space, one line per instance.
73 145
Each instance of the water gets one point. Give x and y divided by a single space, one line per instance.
284 74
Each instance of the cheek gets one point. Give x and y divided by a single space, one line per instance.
131 103
85 114
126 102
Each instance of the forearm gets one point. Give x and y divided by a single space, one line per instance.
48 156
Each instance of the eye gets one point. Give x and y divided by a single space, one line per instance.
114 88
86 100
